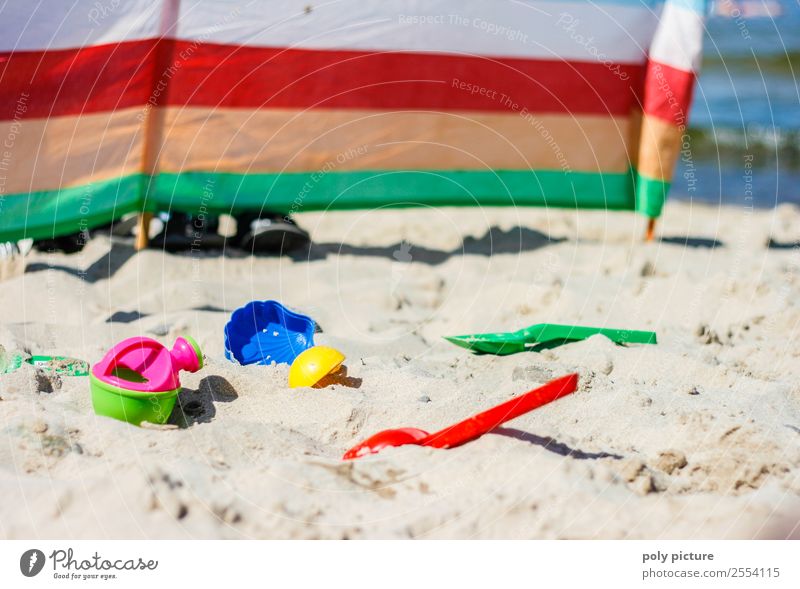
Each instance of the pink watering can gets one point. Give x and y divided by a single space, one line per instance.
138 379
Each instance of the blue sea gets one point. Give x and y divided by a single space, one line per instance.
745 119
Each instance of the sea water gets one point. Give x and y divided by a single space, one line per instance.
745 118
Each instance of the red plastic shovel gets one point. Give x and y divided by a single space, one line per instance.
471 428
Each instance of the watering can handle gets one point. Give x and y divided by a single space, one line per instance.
123 350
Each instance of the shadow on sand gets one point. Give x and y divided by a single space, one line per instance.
494 242
695 242
199 406
552 445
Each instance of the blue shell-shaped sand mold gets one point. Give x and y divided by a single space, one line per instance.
263 332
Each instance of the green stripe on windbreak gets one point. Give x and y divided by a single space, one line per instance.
59 212
651 194
193 192
50 213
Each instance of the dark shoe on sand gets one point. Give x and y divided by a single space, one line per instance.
69 244
182 232
271 235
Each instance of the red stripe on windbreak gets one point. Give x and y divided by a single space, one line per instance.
258 77
110 77
35 84
668 93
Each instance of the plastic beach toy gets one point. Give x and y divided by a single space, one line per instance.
469 429
543 336
137 380
263 332
61 365
313 365
9 362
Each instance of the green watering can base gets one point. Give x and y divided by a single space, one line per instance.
543 336
131 406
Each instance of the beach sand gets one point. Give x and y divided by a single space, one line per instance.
696 437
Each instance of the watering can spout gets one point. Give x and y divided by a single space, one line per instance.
186 355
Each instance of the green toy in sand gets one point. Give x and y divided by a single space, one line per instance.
543 336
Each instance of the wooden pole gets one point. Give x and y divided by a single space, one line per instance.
650 232
154 123
143 234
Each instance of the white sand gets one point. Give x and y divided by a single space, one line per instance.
722 388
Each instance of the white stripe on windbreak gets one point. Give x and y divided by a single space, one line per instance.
26 25
575 30
679 39
534 29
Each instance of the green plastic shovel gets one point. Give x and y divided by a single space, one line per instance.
544 336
